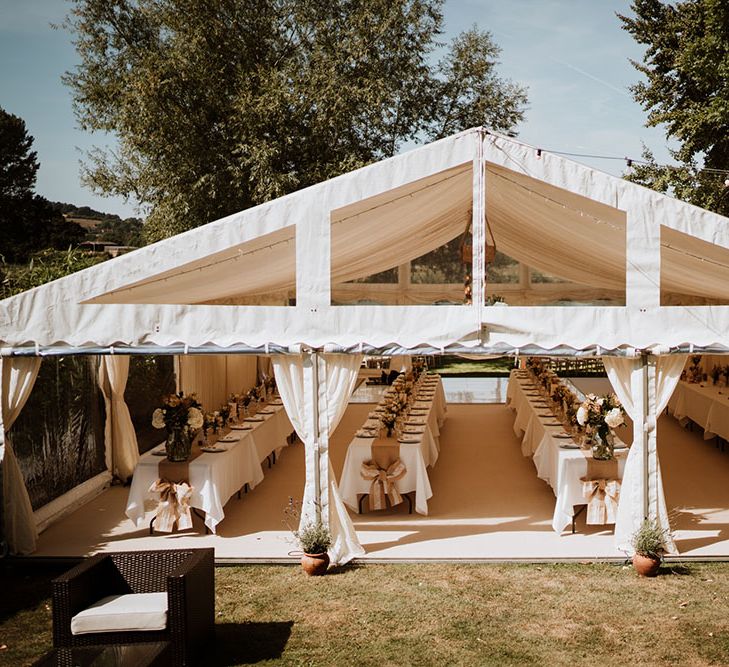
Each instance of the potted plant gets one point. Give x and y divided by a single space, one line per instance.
314 540
649 545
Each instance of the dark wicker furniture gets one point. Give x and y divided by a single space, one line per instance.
187 575
148 654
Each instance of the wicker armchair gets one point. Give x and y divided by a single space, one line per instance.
187 576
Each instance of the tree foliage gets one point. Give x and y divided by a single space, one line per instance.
221 105
686 66
44 266
27 221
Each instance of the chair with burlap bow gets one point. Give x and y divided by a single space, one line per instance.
383 471
601 491
602 497
173 506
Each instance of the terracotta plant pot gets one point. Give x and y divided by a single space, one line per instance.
646 566
315 564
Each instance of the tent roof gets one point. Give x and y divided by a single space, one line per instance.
551 213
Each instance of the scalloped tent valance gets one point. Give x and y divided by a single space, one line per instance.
200 288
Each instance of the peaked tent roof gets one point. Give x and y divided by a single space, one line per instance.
551 213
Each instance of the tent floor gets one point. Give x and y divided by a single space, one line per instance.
487 504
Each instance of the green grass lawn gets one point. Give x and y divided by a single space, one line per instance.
459 367
439 614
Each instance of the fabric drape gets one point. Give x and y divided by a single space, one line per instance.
401 362
120 438
337 376
626 377
206 376
18 378
240 372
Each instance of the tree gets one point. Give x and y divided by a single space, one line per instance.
18 164
27 222
221 105
686 65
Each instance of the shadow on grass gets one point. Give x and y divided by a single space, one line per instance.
343 569
26 584
246 643
679 569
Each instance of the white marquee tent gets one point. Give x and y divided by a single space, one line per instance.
224 288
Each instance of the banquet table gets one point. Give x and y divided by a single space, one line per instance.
557 459
416 456
215 477
704 404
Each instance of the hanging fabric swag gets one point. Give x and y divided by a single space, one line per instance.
18 377
337 377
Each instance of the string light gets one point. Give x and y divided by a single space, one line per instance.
632 161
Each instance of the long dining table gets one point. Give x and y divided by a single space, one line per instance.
215 476
559 461
704 404
419 449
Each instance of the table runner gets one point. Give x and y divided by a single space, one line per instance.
178 471
385 451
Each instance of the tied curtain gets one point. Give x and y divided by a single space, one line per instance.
626 377
120 438
296 379
18 378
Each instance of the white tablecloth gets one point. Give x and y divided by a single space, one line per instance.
705 405
563 469
214 477
416 457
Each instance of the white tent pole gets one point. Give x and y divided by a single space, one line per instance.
478 285
646 454
3 541
314 361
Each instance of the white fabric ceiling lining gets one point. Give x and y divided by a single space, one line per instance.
556 231
267 260
690 265
377 239
369 236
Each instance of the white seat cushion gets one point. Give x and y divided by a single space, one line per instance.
123 613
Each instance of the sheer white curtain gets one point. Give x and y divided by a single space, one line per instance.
120 438
18 378
626 377
337 377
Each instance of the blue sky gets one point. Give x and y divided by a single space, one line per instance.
572 56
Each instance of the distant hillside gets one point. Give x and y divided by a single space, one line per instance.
103 227
82 212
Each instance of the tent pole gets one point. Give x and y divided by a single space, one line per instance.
646 456
3 541
315 417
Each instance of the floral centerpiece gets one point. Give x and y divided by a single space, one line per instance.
419 367
599 416
715 374
181 417
694 374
